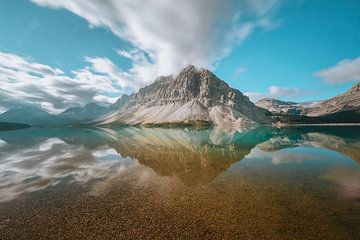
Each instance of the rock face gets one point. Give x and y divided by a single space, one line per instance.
342 108
193 96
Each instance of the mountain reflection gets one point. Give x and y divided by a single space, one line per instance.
345 140
34 159
194 156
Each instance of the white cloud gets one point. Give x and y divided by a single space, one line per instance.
105 99
168 35
143 71
344 71
24 81
277 92
283 91
105 66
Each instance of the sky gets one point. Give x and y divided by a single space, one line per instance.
57 54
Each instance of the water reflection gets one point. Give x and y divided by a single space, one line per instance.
34 159
345 140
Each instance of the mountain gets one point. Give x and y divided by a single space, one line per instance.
119 103
343 108
346 102
192 97
195 97
36 117
79 114
29 115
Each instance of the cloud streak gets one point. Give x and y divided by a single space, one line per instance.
166 35
344 71
24 81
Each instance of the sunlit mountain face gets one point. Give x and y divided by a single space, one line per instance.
308 176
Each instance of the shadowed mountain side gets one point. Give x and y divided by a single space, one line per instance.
345 140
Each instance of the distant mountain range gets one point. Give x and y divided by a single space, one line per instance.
283 107
81 114
195 97
36 117
343 108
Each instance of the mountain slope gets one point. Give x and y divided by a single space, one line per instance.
88 112
36 117
193 96
284 107
348 101
343 108
29 115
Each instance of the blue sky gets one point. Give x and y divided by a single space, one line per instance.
57 54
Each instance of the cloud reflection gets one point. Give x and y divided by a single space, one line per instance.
347 180
46 164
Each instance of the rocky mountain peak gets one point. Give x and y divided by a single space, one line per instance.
355 88
120 102
198 93
190 83
189 69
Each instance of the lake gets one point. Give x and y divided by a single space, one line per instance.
162 183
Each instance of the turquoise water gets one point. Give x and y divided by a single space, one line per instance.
273 182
